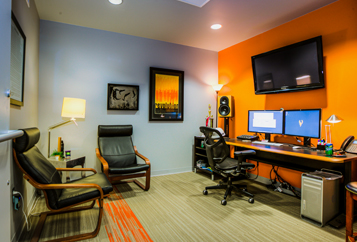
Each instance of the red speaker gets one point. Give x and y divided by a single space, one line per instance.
225 106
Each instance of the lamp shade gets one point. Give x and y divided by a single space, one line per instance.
73 108
115 1
217 87
334 119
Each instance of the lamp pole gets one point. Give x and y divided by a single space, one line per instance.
217 88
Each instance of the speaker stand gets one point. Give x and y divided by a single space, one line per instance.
226 126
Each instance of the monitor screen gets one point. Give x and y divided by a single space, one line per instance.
304 123
265 121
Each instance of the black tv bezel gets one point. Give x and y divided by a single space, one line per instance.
268 111
321 84
294 110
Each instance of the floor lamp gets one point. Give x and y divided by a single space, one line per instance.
217 88
71 108
332 119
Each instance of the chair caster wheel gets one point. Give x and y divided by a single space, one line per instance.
224 202
251 200
205 192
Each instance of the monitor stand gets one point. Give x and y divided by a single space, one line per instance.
267 137
307 141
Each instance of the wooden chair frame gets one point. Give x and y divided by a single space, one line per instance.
350 198
115 178
68 209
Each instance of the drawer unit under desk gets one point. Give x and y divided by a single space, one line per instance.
319 199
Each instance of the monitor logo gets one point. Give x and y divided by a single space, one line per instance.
301 122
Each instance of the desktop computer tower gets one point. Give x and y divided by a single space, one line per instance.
319 197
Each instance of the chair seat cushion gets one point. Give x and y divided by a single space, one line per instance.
129 169
352 187
71 196
230 163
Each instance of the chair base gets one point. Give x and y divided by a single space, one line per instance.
117 179
229 187
43 216
114 182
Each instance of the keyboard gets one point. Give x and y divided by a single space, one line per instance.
247 137
266 143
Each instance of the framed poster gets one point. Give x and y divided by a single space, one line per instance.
122 97
17 67
166 95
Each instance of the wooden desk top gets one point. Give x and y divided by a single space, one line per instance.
288 150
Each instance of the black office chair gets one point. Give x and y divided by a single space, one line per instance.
218 158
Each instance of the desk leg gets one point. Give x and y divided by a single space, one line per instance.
83 173
346 179
68 179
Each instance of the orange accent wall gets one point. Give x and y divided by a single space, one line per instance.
337 24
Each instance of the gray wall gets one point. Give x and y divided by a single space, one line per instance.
5 147
80 62
27 115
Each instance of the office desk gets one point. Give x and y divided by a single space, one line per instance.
300 159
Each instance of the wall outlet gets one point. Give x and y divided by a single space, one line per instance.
16 199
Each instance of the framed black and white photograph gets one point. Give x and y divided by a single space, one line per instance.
17 68
123 97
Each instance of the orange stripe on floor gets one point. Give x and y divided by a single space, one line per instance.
120 222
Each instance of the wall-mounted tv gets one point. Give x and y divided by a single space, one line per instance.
295 67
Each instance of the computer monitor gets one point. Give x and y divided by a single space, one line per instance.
304 123
265 121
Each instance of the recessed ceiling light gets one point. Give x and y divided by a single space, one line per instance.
216 26
115 1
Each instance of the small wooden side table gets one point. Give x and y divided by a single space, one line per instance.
68 163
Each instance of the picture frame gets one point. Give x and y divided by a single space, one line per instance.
17 69
123 97
166 100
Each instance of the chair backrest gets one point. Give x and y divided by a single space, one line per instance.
35 165
116 146
216 148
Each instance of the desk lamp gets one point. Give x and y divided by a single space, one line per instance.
217 88
332 119
71 108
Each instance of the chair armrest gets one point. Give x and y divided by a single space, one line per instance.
103 161
141 156
77 169
64 186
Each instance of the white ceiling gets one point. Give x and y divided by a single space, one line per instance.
178 22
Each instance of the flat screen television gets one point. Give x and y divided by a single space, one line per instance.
295 67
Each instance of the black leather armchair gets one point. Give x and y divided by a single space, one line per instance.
119 157
218 156
60 198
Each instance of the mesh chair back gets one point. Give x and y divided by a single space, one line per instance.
216 148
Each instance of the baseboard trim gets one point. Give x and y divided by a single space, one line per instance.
171 171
